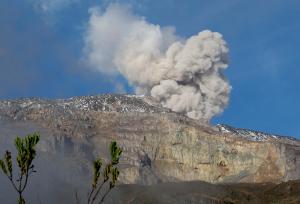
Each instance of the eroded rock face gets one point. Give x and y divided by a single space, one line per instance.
158 144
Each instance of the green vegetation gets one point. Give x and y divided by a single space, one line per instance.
26 154
110 175
104 179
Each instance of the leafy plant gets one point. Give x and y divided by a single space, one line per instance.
26 154
110 175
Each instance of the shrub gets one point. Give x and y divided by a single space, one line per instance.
109 175
26 154
104 180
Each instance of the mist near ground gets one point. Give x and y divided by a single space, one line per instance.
60 172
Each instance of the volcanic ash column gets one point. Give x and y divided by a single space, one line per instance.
184 75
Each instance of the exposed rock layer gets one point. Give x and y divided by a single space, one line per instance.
158 144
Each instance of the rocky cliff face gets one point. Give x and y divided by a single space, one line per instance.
158 144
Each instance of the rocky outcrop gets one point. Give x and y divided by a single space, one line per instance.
158 144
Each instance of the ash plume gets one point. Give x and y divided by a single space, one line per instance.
184 75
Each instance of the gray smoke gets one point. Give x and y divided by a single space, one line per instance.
184 75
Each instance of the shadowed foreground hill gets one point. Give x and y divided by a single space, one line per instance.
204 193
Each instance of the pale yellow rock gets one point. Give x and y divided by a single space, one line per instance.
159 145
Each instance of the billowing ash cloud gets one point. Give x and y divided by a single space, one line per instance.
185 75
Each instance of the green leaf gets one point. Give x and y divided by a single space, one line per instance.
3 167
114 175
97 167
21 200
115 152
26 151
107 171
8 162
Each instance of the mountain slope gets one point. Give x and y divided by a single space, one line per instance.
159 145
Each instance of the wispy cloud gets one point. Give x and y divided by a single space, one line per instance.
52 5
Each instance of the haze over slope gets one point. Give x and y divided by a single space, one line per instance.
158 145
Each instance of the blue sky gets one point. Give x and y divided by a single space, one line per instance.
41 45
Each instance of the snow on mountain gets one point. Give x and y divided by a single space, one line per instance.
252 135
